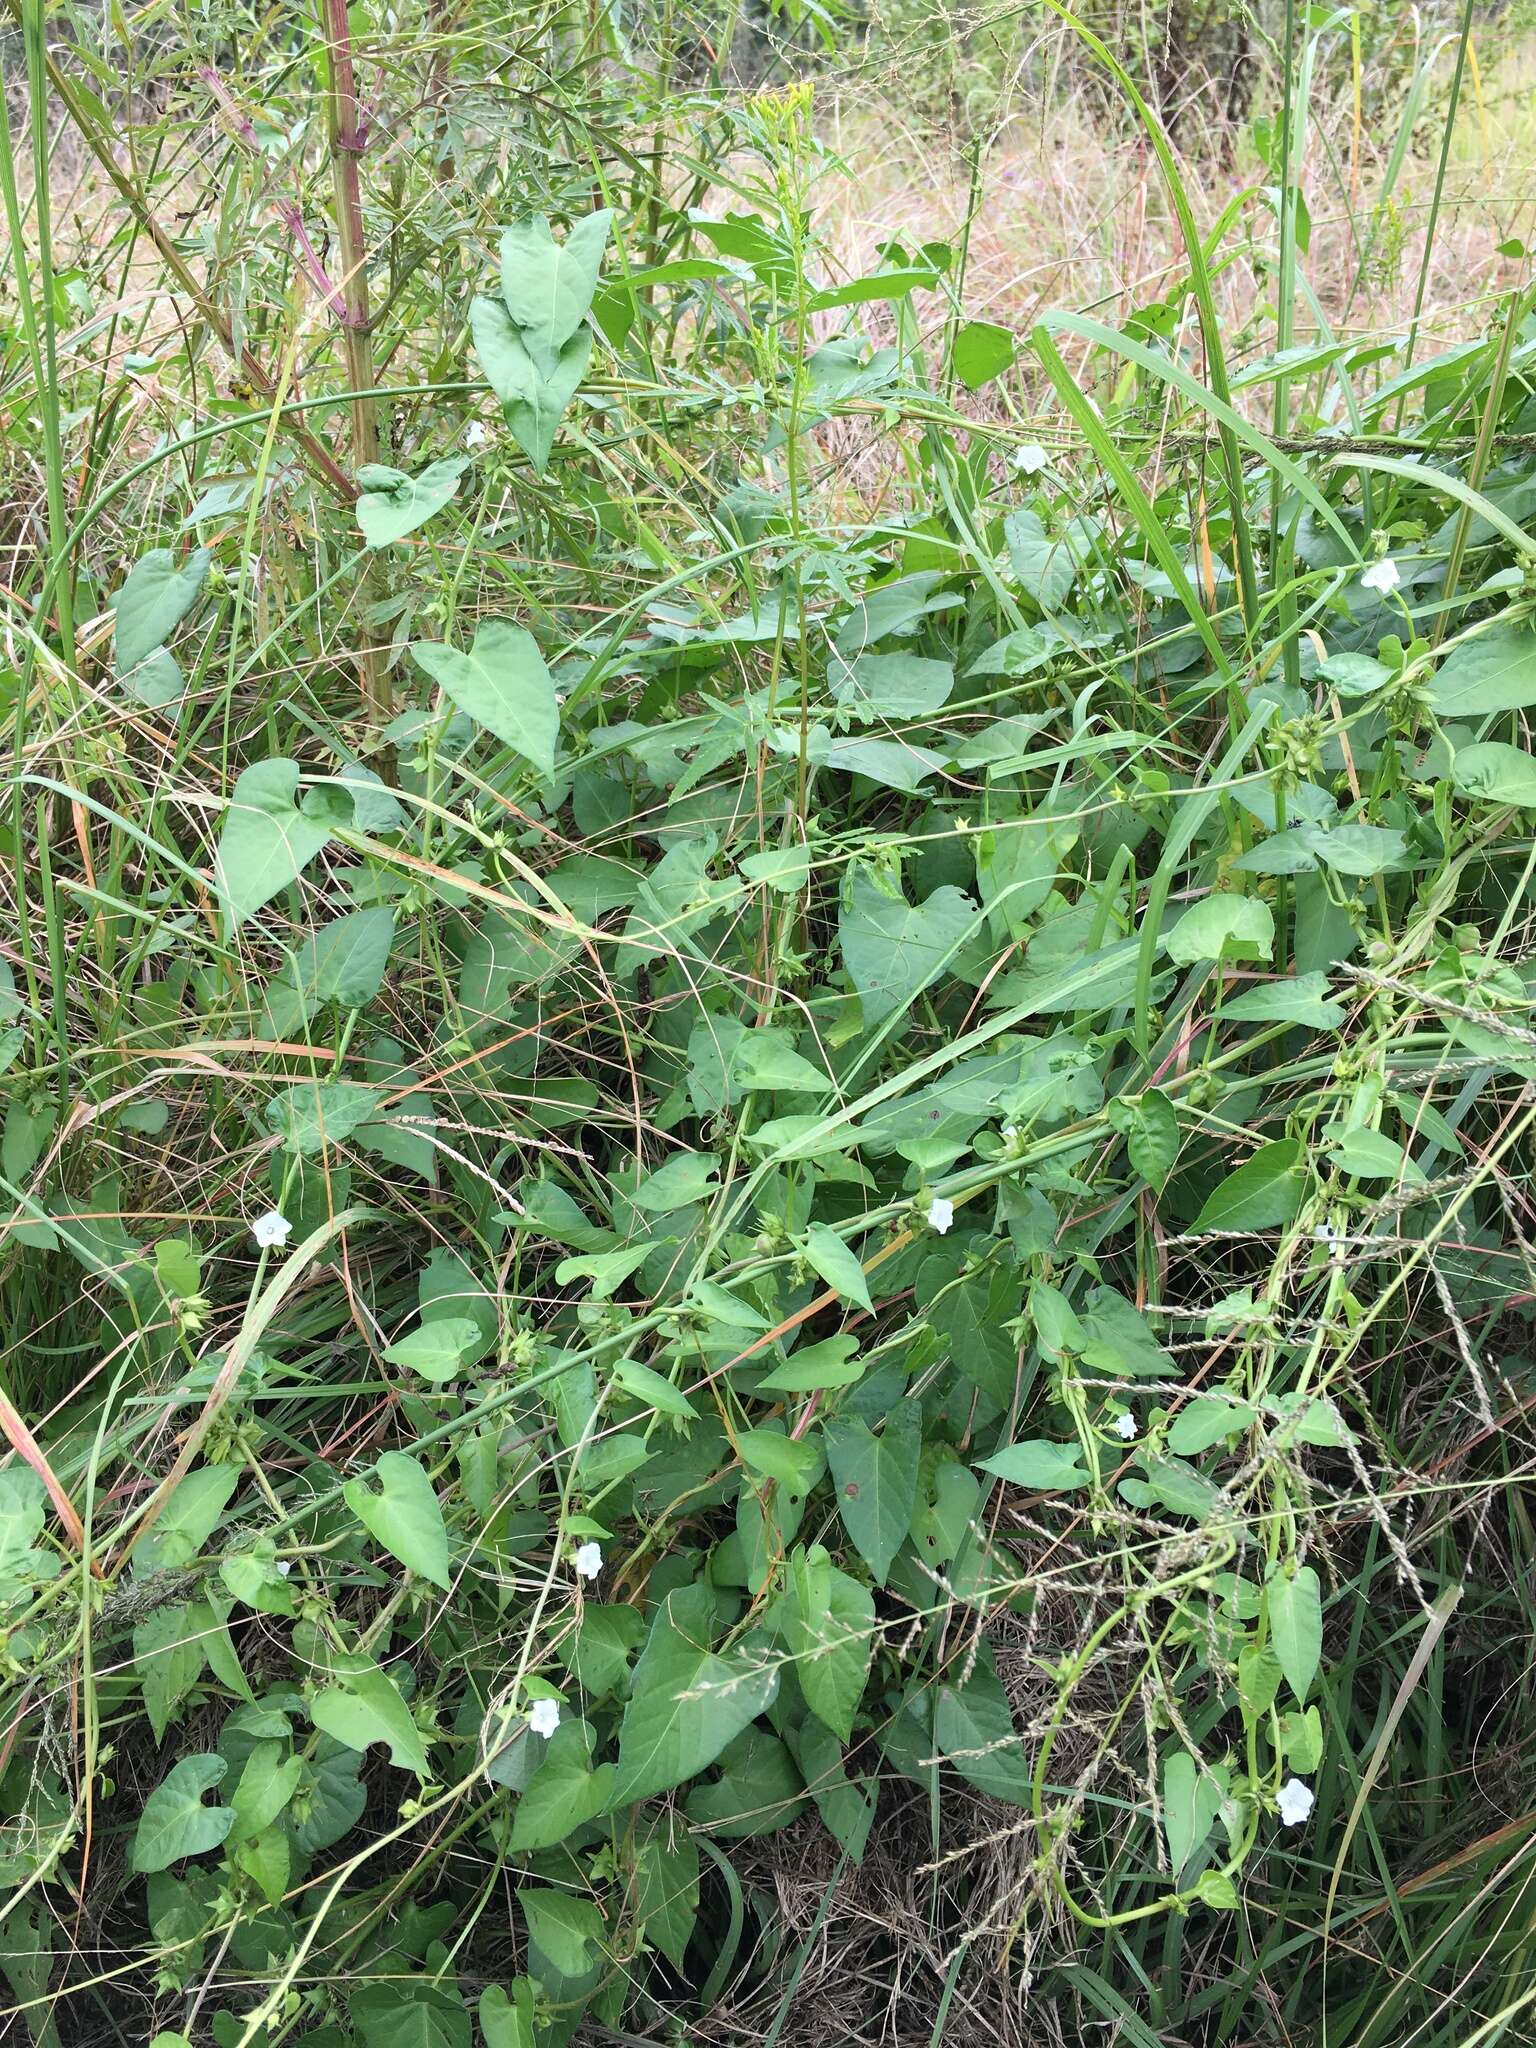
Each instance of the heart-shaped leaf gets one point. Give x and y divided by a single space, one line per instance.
403 1516
268 839
547 286
533 397
394 504
175 1822
876 1480
893 949
1265 1191
154 599
685 1703
502 684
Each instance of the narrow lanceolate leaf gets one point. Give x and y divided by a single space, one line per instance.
1294 1604
547 286
1191 1801
502 684
838 1264
685 1703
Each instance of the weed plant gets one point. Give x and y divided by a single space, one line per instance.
766 1257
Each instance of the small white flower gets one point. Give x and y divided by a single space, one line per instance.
284 1567
1030 459
1326 1234
589 1560
940 1214
476 434
1125 1425
1295 1802
1382 576
545 1717
271 1230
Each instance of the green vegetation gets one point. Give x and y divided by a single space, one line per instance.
767 1071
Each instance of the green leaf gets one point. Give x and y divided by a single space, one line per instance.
169 1655
728 1060
973 1727
972 1319
393 504
598 1655
343 962
1205 1422
188 1518
503 685
834 1362
758 1790
547 286
1038 1463
1192 1798
178 1268
829 1627
847 1807
564 1793
1370 1155
666 1885
782 868
1264 1192
154 599
364 1706
795 1464
252 1576
1299 999
888 686
266 1785
175 1822
1493 772
404 1516
838 1264
876 1480
402 2011
642 1384
982 350
1293 1603
268 840
313 1114
1149 1124
686 1177
566 1947
1495 671
948 1495
893 949
533 397
1043 568
507 2021
685 1703
1223 928
437 1349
